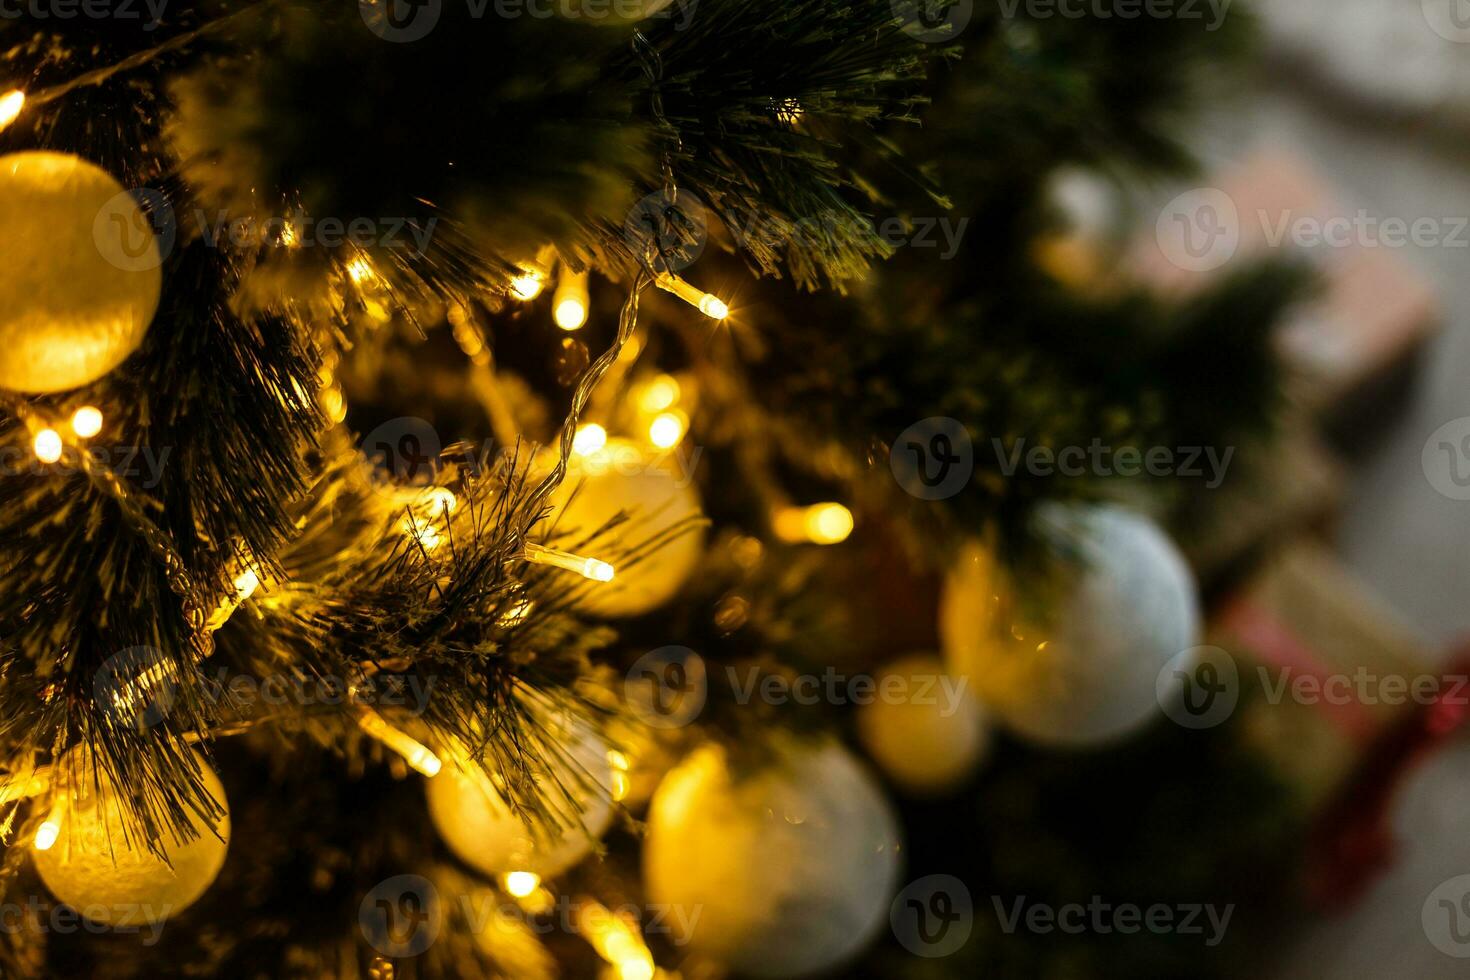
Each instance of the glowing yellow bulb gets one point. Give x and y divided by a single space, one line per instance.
418 756
527 286
517 614
666 430
86 422
589 439
828 523
427 535
713 307
707 303
620 783
360 270
662 392
246 583
571 314
597 571
47 445
522 883
46 834
11 103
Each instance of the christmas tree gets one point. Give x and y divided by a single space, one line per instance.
479 476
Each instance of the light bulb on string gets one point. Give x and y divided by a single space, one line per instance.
827 523
660 394
707 303
11 104
47 446
590 568
667 429
86 422
419 757
527 286
570 303
520 884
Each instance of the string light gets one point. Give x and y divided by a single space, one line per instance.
660 394
520 884
11 103
86 422
418 756
589 439
591 568
570 303
667 429
616 941
246 583
528 285
360 270
47 833
828 523
47 445
707 303
517 614
620 782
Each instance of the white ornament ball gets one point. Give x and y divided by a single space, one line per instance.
474 819
924 727
655 550
792 867
1073 661
81 269
99 866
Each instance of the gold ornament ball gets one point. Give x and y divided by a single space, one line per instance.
474 819
99 866
792 867
1072 659
655 551
924 728
81 270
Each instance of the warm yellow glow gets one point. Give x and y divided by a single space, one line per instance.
289 237
589 439
426 535
616 940
571 302
246 583
598 571
521 883
707 303
527 286
517 614
620 782
442 501
360 270
86 422
713 307
11 103
828 523
47 833
47 445
415 753
661 393
666 430
571 314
